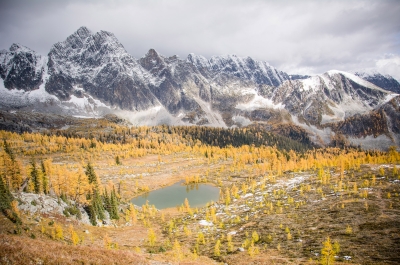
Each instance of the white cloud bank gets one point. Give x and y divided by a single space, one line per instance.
389 66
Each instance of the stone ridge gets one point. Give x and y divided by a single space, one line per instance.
384 81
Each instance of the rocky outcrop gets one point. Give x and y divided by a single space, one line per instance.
44 204
21 68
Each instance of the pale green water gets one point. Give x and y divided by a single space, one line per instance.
198 195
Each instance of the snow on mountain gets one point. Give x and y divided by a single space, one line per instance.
355 79
91 74
21 68
243 68
258 102
199 61
384 81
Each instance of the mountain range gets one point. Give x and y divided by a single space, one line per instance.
90 74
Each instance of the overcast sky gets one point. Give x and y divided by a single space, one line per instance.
294 36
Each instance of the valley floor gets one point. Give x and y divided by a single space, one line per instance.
274 207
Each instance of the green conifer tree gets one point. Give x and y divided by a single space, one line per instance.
91 174
97 204
45 179
35 176
8 150
92 215
5 196
114 205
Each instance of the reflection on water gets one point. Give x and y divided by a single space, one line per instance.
171 196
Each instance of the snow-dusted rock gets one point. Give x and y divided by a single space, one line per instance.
44 204
205 223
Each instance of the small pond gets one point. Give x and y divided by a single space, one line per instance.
197 194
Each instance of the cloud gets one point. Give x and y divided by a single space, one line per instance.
389 66
294 36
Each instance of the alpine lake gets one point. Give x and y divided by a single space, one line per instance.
198 195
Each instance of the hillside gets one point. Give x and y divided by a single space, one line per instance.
276 205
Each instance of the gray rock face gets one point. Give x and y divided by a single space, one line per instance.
44 204
384 81
98 63
170 74
232 66
21 68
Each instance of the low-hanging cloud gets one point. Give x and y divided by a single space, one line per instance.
390 66
294 36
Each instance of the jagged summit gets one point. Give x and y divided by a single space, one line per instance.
16 47
91 73
245 68
151 60
21 68
86 49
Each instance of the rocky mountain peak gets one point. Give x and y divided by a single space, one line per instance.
85 49
152 61
152 53
199 61
83 32
21 68
16 47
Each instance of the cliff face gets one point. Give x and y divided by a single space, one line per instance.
21 68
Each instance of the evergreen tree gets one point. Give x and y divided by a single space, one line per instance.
35 175
114 205
91 174
45 179
97 204
8 150
6 201
5 196
92 215
107 201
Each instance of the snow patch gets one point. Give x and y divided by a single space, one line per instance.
258 102
214 118
153 116
243 121
316 135
20 98
205 223
311 83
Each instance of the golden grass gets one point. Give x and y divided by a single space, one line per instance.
23 250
